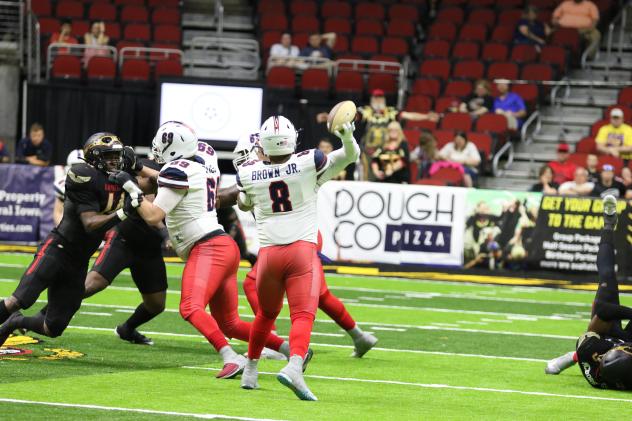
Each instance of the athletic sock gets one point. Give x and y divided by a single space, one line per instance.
355 332
296 362
259 333
141 315
285 349
300 333
4 313
227 353
207 326
33 324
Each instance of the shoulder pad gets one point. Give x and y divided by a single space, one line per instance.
174 177
81 174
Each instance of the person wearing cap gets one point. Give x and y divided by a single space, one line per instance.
615 138
563 169
607 184
580 186
509 104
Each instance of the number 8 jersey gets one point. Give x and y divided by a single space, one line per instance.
284 196
187 191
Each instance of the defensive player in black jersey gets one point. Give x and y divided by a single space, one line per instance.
93 205
604 352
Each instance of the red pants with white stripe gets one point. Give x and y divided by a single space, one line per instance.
295 270
210 279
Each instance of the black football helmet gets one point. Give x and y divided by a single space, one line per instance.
104 151
616 366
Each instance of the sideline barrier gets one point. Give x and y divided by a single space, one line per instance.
26 202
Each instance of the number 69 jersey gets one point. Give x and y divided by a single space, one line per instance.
284 196
187 191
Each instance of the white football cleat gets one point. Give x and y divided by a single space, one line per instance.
363 344
250 375
291 376
559 364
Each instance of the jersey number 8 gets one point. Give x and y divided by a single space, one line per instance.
280 195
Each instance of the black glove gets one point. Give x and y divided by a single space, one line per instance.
131 203
130 161
120 178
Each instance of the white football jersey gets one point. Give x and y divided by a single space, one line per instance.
284 196
194 216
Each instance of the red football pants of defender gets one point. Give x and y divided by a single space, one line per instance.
327 302
210 278
293 269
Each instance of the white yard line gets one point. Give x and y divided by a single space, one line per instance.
443 386
136 410
92 313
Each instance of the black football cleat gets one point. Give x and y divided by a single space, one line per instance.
132 336
6 329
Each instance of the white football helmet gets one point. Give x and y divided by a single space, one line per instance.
278 136
174 140
245 148
74 157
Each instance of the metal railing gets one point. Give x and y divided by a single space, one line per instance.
238 55
33 48
153 54
76 50
506 149
300 63
219 17
12 27
621 18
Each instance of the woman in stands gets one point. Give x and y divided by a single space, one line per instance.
390 162
546 184
465 154
97 38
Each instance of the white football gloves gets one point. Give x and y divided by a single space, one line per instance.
345 132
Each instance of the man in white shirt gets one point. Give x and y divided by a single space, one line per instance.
580 186
281 52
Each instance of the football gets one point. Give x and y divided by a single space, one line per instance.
343 112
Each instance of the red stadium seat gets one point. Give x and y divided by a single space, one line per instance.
587 145
419 103
427 181
537 71
349 83
41 7
129 44
446 3
168 68
337 25
412 137
303 7
66 67
394 46
454 15
435 68
403 12
425 124
625 96
135 71
528 92
300 39
369 27
101 68
136 31
305 23
269 6
69 9
473 32
510 4
369 11
385 82
457 121
134 14
466 50
281 77
523 53
447 104
165 15
339 9
485 17
436 49
130 2
342 44
443 137
469 69
80 28
400 28
544 4
315 81
364 45
442 30
481 3
483 143
273 22
113 30
503 34
165 3
495 52
450 176
594 129
269 38
168 34
458 88
502 70
424 86
102 11
509 17
492 123
48 26
555 56
567 38
579 159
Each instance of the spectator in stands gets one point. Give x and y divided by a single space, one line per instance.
509 104
546 184
4 154
326 147
64 36
316 48
563 169
284 50
626 180
607 184
582 15
425 154
580 186
96 38
615 138
463 152
531 31
34 149
592 166
390 162
478 102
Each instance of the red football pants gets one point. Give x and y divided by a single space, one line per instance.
327 302
210 278
293 269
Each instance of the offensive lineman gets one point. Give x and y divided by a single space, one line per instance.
604 352
249 146
92 206
283 194
187 187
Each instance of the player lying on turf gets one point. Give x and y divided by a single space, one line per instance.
93 205
250 147
604 352
186 198
283 193
135 245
